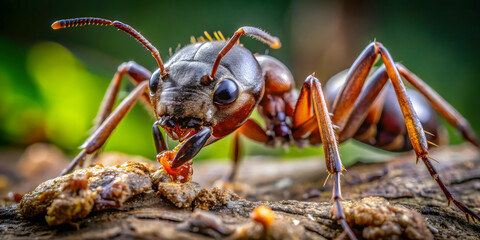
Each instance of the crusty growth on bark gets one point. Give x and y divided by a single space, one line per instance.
375 218
75 195
407 187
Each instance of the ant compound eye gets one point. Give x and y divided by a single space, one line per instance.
226 92
154 81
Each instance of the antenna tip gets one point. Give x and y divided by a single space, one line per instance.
57 25
276 43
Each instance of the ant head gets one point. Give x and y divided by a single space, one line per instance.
193 91
186 99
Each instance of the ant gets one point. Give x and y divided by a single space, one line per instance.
207 90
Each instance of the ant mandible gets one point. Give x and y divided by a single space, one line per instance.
207 90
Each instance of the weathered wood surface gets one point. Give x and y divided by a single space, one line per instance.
305 216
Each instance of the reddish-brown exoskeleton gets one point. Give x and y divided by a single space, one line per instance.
208 90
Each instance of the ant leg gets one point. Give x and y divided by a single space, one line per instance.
78 160
369 105
235 157
252 130
354 83
98 138
358 72
415 129
305 129
440 105
345 100
160 143
311 92
137 74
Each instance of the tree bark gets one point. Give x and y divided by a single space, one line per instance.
306 215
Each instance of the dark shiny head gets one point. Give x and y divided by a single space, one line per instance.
185 104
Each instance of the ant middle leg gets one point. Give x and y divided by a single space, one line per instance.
252 130
311 105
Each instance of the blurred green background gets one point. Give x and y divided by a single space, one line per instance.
52 82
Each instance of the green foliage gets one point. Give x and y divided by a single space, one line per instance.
49 94
69 92
20 103
55 99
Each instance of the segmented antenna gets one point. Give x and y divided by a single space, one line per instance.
77 22
256 33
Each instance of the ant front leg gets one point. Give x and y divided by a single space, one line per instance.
312 98
136 74
104 123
